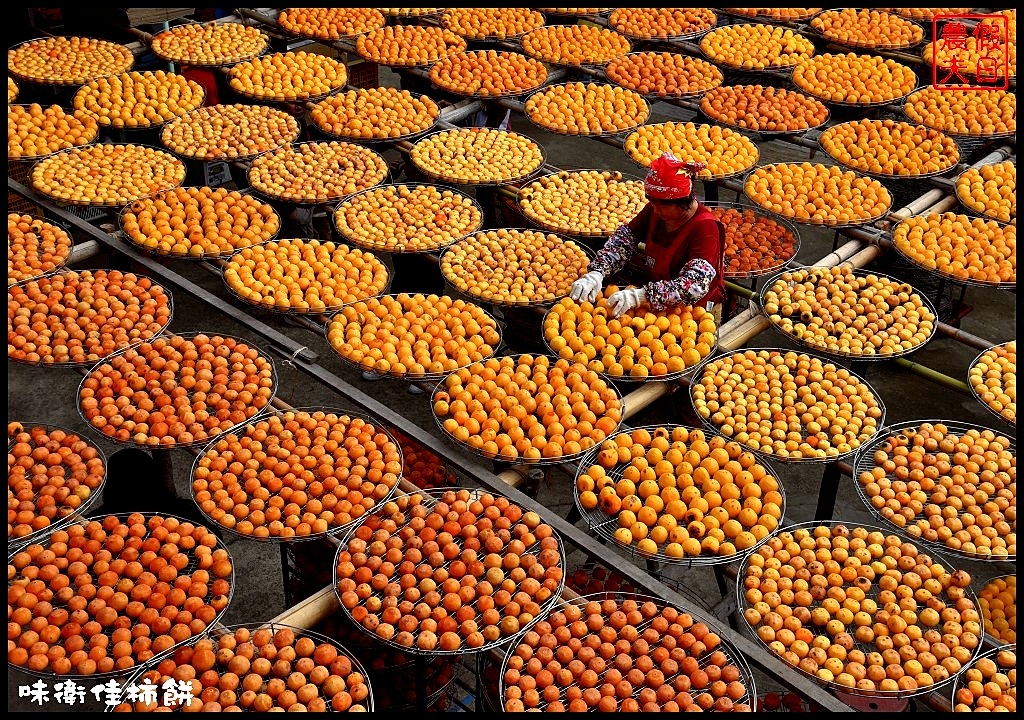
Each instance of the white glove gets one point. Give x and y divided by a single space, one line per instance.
623 300
587 288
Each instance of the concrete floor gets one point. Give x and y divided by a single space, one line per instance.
48 395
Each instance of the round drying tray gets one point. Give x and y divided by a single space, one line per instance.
705 175
268 297
892 176
838 354
833 529
548 294
66 619
92 100
646 616
900 436
971 207
189 253
150 675
60 230
371 18
715 74
400 521
60 51
773 453
440 177
582 133
1008 285
382 242
709 18
228 151
534 16
126 356
375 139
610 526
838 224
258 93
779 256
611 177
769 134
171 175
1008 415
54 315
199 35
24 162
566 339
960 137
258 431
306 163
43 435
442 391
405 374
1004 657
862 45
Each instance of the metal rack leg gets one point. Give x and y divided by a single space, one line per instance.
723 588
829 489
162 456
285 574
421 683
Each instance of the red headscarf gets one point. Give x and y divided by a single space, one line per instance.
670 178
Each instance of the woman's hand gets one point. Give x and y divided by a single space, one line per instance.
587 288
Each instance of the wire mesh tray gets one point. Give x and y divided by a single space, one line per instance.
839 224
871 590
127 200
320 166
574 232
953 158
971 206
145 123
12 65
648 610
396 63
31 159
192 564
605 525
587 85
765 133
779 260
60 265
1008 415
397 517
626 377
497 37
311 122
966 281
403 248
593 63
864 462
576 12
478 182
296 131
250 429
861 45
719 78
93 356
222 61
760 15
675 37
702 177
837 353
773 454
149 677
275 307
538 459
996 654
997 586
189 255
300 96
769 68
407 374
896 100
201 442
489 95
450 275
65 514
378 19
951 133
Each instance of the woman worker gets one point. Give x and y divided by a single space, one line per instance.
682 260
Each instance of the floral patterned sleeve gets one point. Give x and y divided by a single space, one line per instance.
616 252
692 283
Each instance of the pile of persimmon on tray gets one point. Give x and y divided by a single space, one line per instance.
449 570
107 594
